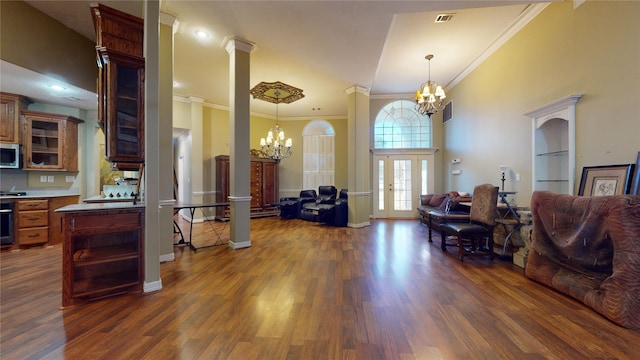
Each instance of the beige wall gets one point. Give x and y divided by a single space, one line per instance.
593 50
23 30
216 142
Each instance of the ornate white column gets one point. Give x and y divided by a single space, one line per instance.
239 158
358 152
168 27
152 281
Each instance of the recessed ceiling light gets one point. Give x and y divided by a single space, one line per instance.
202 34
57 88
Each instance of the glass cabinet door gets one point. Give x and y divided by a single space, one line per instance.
50 141
124 107
45 144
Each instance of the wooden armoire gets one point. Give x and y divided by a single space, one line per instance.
264 186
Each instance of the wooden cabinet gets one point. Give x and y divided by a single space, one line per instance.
55 219
264 186
33 222
120 87
123 108
102 253
10 107
36 221
50 141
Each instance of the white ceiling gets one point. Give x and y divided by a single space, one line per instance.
322 47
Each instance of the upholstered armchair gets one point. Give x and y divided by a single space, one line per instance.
338 213
326 198
306 196
482 219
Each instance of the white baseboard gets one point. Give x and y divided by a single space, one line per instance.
152 286
239 245
360 225
167 257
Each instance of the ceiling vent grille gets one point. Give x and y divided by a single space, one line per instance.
441 18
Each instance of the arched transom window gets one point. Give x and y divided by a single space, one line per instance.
399 126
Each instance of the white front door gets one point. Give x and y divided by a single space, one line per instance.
398 179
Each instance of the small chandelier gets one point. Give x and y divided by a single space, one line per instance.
275 146
430 97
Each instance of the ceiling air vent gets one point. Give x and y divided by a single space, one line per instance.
440 18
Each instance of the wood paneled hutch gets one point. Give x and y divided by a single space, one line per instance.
264 186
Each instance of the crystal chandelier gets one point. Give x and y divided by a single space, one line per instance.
275 146
430 97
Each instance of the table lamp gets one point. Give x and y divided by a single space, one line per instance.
503 168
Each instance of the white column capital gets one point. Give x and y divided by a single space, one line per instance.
233 43
356 88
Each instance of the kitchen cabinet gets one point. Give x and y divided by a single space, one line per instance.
33 222
55 219
36 221
50 141
264 186
123 108
10 107
102 253
121 69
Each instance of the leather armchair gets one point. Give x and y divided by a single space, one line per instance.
306 196
338 213
326 199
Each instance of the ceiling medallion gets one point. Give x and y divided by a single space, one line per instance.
274 146
267 92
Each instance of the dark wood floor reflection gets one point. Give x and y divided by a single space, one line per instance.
307 291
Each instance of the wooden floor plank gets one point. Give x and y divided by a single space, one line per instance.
304 290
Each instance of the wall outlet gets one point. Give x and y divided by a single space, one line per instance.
517 177
69 179
50 178
43 178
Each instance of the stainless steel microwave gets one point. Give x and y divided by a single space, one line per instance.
10 156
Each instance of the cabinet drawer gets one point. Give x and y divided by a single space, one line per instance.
27 219
33 205
114 222
33 236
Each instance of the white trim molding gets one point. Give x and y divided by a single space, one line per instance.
148 287
239 245
239 198
167 257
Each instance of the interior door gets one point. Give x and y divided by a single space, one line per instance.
398 180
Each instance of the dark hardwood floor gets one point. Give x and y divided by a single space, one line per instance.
307 291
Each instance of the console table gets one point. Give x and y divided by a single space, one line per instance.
509 219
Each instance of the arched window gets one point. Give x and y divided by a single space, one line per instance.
399 126
318 149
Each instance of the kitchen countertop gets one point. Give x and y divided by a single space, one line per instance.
99 206
35 196
100 199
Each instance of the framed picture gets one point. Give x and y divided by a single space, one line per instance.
606 180
635 184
